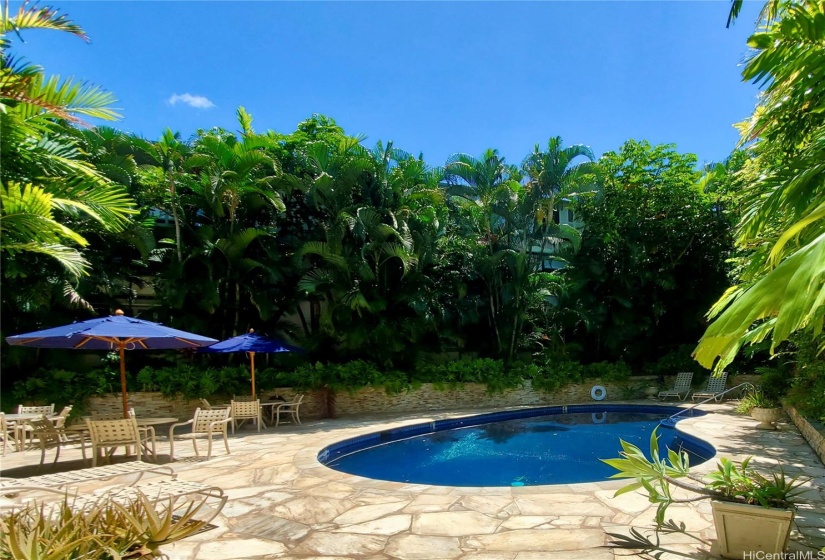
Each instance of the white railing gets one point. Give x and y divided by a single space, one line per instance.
669 420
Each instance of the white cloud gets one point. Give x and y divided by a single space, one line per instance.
196 101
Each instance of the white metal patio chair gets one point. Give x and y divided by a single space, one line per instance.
246 410
714 389
108 435
681 389
292 408
206 423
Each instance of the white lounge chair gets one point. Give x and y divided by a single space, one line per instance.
681 389
714 389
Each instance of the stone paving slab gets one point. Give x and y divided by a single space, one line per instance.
284 504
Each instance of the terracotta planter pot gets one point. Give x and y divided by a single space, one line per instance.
742 528
766 417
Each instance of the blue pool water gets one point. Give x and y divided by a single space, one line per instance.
519 448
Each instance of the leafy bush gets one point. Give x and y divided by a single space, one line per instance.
675 361
61 387
553 376
608 371
494 373
807 393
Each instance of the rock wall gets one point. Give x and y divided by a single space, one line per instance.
375 400
816 439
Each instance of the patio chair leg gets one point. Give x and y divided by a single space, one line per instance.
171 447
297 416
208 446
42 457
226 442
195 445
56 454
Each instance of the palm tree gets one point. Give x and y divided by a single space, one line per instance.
44 176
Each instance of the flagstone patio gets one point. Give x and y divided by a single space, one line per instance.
284 504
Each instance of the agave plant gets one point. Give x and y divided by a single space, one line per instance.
108 528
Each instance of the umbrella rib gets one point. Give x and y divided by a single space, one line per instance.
186 341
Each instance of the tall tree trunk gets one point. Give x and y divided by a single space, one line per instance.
176 220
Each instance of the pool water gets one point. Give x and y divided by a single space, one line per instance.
546 449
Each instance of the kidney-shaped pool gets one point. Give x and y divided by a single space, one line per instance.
549 445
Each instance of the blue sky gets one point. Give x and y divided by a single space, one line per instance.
434 77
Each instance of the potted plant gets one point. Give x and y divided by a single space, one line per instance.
762 407
751 512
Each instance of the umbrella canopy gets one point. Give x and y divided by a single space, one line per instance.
116 332
251 343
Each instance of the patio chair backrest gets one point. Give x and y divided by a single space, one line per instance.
717 384
205 417
243 398
45 410
113 431
112 415
60 421
45 431
683 381
297 399
246 409
205 404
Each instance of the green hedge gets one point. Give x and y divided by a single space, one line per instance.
191 380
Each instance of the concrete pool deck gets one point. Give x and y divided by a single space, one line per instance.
284 504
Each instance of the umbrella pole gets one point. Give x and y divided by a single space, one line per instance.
121 348
252 364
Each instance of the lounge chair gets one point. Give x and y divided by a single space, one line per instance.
681 389
246 410
291 408
206 423
714 389
73 478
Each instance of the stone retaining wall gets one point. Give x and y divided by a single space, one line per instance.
375 400
815 438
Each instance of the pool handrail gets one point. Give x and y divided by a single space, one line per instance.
669 420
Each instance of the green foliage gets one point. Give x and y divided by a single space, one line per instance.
108 530
780 291
552 376
652 256
655 475
755 398
608 371
807 392
679 359
61 387
494 373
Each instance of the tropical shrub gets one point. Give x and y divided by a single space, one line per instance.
61 387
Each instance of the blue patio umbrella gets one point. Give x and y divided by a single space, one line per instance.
251 343
116 332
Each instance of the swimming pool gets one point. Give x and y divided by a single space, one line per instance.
548 445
